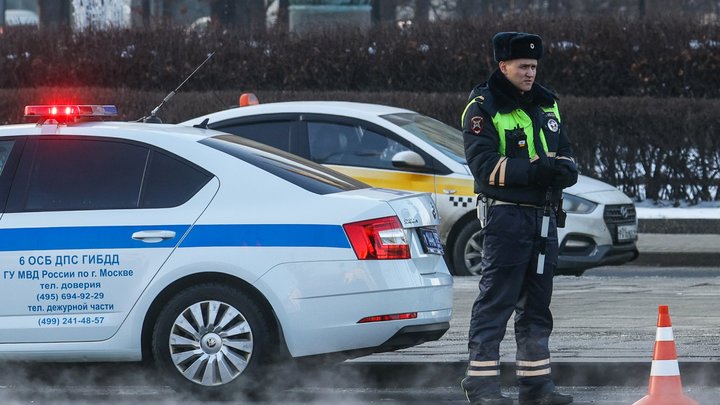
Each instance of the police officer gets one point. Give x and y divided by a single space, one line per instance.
519 155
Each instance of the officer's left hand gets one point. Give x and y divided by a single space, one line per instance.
565 177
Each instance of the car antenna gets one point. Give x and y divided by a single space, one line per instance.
153 118
203 124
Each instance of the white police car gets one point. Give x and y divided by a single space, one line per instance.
212 254
401 149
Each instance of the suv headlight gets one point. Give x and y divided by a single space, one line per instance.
576 205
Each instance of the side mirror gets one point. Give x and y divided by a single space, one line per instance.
408 159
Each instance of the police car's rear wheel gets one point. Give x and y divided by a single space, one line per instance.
467 250
210 336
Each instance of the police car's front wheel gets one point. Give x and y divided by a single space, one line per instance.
467 250
209 337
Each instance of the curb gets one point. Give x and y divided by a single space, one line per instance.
674 225
581 373
676 259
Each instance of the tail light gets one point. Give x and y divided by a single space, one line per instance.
391 317
378 239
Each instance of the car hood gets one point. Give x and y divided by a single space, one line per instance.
598 191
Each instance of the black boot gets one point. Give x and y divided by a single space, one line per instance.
476 398
498 399
551 398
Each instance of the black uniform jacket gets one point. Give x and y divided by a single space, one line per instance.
498 95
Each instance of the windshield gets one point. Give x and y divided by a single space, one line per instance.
294 169
443 137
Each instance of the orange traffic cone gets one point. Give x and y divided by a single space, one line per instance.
665 387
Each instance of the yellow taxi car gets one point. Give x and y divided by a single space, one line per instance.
400 149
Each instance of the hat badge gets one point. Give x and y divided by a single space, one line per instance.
532 46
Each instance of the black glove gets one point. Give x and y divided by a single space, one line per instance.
544 175
566 177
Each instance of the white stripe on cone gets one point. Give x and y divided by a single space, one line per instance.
664 334
664 368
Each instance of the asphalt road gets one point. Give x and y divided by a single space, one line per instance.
606 317
311 392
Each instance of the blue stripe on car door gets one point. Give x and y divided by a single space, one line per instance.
120 237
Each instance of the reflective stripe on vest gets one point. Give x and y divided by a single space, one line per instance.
462 117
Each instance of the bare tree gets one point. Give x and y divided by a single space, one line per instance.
474 8
554 6
145 5
54 13
384 10
2 14
422 10
252 14
283 15
471 8
167 11
245 14
222 12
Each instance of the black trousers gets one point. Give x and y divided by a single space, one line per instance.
510 283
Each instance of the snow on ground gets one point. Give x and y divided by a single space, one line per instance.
664 210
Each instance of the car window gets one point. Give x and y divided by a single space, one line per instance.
5 148
443 137
294 169
170 181
74 174
276 133
351 145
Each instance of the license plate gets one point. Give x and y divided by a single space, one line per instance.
430 241
626 233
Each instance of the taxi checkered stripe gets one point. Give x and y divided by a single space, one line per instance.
464 201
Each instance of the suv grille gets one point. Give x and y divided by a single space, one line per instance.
619 214
616 215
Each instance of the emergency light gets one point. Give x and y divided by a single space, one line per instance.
69 112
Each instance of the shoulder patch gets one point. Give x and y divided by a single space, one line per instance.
476 124
553 125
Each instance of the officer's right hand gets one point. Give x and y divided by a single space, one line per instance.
544 176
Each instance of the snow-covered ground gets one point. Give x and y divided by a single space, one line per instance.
664 210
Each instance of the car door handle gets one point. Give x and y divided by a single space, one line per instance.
153 236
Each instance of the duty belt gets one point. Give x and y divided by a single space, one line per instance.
499 202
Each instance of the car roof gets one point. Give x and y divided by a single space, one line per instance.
347 108
115 129
364 111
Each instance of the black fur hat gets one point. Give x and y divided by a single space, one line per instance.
517 45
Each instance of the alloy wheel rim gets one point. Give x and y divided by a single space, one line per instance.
211 343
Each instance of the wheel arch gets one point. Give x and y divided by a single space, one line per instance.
206 278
